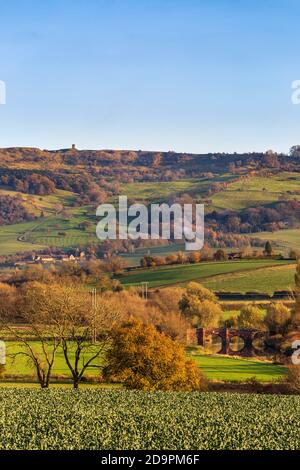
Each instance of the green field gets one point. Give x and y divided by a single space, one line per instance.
10 238
48 204
213 366
256 191
284 240
20 366
161 190
267 280
54 229
231 369
181 274
93 419
65 231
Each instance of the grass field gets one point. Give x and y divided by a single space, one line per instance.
256 191
285 240
161 190
181 274
64 231
21 366
231 369
52 230
9 238
268 280
214 367
96 420
47 204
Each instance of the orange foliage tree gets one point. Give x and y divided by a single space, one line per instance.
145 359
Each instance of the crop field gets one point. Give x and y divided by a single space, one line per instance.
99 420
256 191
181 274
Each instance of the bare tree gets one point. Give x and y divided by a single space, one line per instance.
62 315
86 335
38 341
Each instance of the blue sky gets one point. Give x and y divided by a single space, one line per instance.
184 75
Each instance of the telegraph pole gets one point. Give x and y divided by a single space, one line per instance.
145 290
94 311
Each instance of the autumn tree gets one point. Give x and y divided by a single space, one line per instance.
200 306
115 264
8 301
294 254
206 253
147 261
167 299
250 317
145 359
220 255
194 257
277 317
201 292
295 314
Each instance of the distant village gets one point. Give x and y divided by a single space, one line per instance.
50 259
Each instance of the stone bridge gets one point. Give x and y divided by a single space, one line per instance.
203 335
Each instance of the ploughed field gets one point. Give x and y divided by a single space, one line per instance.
91 419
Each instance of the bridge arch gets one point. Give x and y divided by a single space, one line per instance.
226 335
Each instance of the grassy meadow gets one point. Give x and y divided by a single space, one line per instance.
20 366
284 240
233 369
206 272
256 191
158 191
56 228
214 367
266 280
